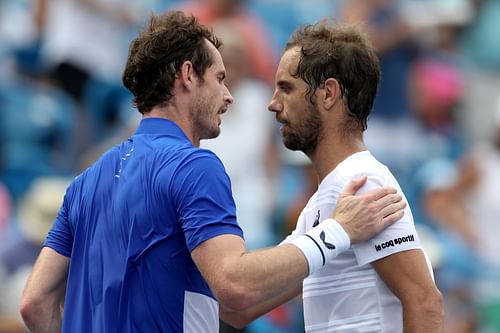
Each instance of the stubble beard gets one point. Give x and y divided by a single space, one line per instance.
205 126
306 135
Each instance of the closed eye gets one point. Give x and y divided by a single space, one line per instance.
284 86
221 77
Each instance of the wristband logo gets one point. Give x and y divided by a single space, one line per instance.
329 246
394 242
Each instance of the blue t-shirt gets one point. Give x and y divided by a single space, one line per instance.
129 224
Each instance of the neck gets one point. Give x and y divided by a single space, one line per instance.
333 150
179 117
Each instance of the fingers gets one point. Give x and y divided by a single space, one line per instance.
382 192
393 210
391 218
354 185
389 199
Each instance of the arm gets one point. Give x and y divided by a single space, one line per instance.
412 283
243 318
241 280
41 304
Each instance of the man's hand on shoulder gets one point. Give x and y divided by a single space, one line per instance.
366 215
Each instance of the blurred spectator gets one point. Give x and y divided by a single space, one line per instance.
436 88
395 42
480 172
258 46
460 202
85 39
447 221
37 211
83 47
37 123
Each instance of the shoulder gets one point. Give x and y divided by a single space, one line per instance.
200 158
198 166
106 161
365 164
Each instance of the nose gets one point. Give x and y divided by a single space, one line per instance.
228 98
274 105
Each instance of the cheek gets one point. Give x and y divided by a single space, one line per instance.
297 108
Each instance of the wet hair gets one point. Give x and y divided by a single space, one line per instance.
343 52
157 54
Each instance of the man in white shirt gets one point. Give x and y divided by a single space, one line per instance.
324 90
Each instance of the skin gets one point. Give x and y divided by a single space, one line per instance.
199 102
298 118
41 305
240 280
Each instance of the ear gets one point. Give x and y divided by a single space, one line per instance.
187 75
331 93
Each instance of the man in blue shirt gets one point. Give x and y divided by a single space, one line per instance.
146 239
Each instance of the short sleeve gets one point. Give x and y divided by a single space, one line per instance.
60 236
400 236
205 206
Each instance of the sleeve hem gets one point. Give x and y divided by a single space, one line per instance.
369 259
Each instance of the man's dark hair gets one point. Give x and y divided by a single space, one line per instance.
330 50
157 54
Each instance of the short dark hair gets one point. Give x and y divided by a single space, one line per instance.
157 54
343 52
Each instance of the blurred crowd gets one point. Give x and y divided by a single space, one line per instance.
435 123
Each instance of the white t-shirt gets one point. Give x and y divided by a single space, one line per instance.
347 295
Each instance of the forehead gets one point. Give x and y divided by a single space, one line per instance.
218 64
288 63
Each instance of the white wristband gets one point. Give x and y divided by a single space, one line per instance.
322 243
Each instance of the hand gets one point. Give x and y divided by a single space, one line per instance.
366 215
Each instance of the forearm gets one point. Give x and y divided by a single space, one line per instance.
243 318
263 274
43 296
44 318
422 318
259 276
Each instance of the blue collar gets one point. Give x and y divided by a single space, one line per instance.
160 126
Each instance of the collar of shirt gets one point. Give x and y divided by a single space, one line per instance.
160 126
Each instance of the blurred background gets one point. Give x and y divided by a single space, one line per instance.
435 123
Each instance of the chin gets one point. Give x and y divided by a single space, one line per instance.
289 142
213 134
290 145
